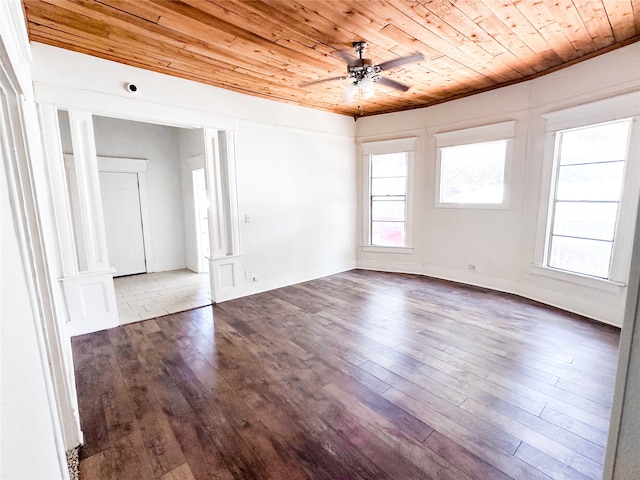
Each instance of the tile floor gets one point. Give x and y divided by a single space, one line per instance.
151 295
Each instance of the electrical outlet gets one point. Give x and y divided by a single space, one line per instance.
471 267
248 274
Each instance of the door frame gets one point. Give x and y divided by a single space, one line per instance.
24 167
218 143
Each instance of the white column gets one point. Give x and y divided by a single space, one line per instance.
227 157
59 191
89 199
220 170
217 230
87 279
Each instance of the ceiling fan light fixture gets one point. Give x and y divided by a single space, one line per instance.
366 85
350 92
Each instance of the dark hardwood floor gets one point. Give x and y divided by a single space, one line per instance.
361 375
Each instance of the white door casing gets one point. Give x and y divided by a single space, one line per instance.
123 222
201 219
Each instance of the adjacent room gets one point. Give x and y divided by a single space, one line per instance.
154 204
320 239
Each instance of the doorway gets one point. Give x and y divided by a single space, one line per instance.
150 204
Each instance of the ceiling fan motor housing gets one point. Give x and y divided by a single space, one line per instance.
362 68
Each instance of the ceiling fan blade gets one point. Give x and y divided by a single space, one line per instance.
347 57
306 84
416 57
393 84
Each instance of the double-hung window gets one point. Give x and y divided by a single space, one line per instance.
387 182
588 180
588 216
388 197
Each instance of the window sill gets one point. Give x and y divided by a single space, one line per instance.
611 286
378 249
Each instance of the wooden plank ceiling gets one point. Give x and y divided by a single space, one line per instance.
268 48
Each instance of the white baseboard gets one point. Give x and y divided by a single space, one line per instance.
283 281
167 267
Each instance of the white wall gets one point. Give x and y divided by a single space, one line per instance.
500 243
158 144
295 184
282 150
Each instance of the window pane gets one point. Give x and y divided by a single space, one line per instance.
388 178
588 220
388 186
389 165
589 257
599 181
387 210
387 234
600 143
473 173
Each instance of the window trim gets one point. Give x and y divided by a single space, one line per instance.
608 110
399 145
503 131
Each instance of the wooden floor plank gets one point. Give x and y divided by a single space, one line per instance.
431 463
490 437
570 424
552 467
563 453
183 472
359 375
465 460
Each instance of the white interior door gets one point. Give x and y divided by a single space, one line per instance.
123 222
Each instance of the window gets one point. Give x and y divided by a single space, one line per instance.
388 187
473 166
588 178
387 183
473 174
589 198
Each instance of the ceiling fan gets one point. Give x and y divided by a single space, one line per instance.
365 72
